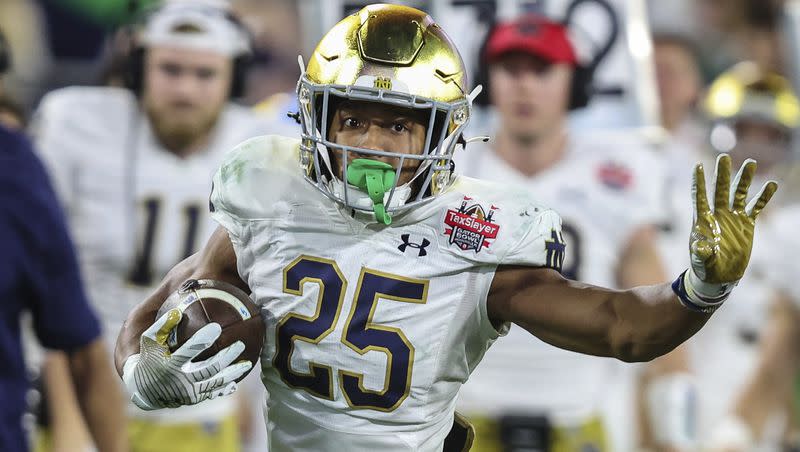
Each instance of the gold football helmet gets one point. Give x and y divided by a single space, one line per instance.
390 54
748 94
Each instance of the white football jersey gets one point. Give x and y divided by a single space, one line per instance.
778 258
605 189
135 209
726 352
371 329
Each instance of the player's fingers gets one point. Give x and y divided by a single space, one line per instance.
228 375
761 199
200 340
742 183
159 330
722 187
213 365
228 389
699 191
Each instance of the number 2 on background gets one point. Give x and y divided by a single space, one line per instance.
360 333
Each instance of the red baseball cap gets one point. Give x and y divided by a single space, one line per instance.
532 34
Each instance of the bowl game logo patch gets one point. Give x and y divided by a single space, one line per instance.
471 227
615 176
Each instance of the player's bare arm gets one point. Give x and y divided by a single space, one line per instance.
644 322
216 260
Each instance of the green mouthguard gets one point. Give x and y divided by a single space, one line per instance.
376 178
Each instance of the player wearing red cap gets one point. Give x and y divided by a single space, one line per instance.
607 188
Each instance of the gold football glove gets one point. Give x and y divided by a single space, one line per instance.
722 238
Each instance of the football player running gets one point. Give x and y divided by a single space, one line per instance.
607 188
383 277
133 166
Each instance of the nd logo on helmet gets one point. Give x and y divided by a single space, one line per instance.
383 83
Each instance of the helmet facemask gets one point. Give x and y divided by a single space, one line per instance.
319 155
394 56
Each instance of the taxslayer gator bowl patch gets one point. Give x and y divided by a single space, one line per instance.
470 227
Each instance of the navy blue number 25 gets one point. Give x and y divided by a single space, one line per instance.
360 333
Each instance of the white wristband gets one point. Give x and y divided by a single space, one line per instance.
698 295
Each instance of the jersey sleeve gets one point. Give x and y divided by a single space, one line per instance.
52 126
252 179
539 242
62 316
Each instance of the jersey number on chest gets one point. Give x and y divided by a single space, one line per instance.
142 270
360 333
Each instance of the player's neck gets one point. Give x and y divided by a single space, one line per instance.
185 147
531 155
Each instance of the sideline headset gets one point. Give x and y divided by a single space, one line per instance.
582 87
188 13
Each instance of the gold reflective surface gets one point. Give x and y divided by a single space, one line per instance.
392 41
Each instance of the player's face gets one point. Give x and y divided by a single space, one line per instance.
382 128
184 92
678 79
765 142
531 95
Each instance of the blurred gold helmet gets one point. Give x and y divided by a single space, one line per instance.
748 93
390 54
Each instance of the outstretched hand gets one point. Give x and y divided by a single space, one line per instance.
722 237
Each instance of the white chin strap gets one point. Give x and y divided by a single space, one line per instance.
359 199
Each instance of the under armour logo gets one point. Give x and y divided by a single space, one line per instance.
556 249
418 246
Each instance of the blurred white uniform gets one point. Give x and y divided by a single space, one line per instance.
371 329
135 209
781 265
734 330
605 188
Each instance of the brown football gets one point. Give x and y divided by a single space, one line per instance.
204 301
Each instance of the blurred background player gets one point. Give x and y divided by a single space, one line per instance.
40 276
12 114
766 414
133 168
753 112
606 189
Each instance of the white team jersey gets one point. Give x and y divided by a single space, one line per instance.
779 259
371 329
135 209
726 351
604 190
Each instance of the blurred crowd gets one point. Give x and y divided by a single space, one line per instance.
79 83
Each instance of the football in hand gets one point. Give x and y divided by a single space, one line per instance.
205 301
